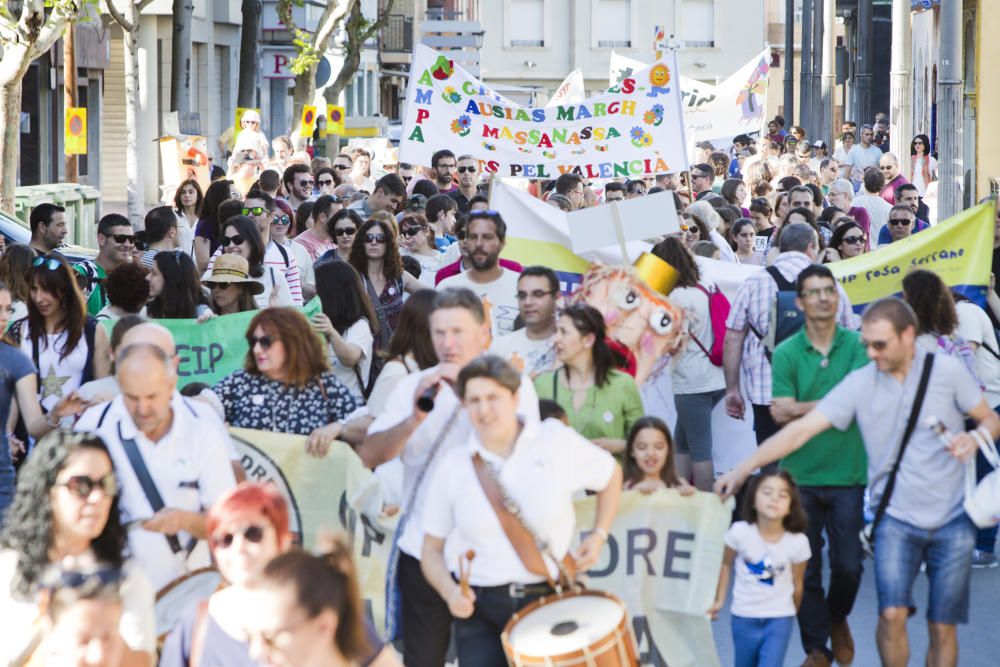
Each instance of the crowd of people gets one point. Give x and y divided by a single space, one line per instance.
461 378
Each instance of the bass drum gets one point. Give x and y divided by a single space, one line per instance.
574 629
177 597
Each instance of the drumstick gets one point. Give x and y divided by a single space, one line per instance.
463 573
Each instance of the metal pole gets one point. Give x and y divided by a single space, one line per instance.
69 92
816 102
789 96
901 93
949 101
828 81
805 69
863 75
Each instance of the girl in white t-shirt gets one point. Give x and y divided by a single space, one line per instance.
770 550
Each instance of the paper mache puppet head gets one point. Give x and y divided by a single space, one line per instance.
639 318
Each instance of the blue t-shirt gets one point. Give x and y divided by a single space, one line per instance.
14 365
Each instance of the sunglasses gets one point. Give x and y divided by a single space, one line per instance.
235 240
411 231
252 534
345 231
899 221
265 342
324 182
877 345
256 210
211 285
375 238
854 239
82 486
123 238
281 220
306 184
50 263
341 167
466 170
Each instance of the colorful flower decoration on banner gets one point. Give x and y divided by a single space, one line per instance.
640 138
451 95
461 126
659 77
549 154
601 147
488 146
523 149
654 116
755 85
442 69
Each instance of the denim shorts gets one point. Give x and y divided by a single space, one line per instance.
901 547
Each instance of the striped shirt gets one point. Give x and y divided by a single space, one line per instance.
274 257
753 306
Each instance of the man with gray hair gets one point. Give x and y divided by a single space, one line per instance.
171 455
841 195
748 358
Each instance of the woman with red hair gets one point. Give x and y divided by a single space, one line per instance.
247 529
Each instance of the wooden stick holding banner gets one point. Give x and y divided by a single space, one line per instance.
616 218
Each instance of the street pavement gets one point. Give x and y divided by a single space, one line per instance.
979 640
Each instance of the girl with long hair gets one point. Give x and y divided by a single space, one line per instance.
743 238
188 199
649 459
231 287
15 266
923 166
241 237
600 401
209 230
66 507
417 239
410 349
347 323
174 288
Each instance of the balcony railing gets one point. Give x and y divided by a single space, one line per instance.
397 36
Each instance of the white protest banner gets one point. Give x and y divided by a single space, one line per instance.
694 93
662 559
570 91
739 106
630 130
638 219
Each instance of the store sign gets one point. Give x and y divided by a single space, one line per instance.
277 63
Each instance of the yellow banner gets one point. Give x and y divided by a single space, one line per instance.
76 131
662 558
959 249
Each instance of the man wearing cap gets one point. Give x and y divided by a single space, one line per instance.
820 153
467 173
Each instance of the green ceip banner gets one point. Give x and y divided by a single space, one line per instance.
210 351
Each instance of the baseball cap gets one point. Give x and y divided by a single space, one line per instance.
819 144
417 203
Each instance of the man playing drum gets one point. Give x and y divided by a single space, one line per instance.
537 466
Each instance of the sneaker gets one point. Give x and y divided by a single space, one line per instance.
817 659
982 560
842 642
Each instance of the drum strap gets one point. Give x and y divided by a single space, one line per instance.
526 543
146 482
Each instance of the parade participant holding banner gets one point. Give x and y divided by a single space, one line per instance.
66 510
421 435
172 457
286 385
347 323
536 466
649 459
231 287
174 288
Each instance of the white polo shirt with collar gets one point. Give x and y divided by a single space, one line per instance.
418 447
549 464
190 466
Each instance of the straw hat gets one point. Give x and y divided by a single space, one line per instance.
229 268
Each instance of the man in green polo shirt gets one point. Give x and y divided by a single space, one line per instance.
115 241
830 469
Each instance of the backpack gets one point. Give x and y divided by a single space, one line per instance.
718 310
284 255
785 318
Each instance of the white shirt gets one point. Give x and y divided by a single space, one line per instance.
550 462
306 273
502 294
917 177
692 372
726 253
878 211
418 447
360 334
189 465
975 327
429 265
57 378
388 378
539 356
762 571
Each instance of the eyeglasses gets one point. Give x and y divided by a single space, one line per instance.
411 231
82 486
854 239
265 341
121 239
256 210
50 263
325 181
877 345
281 220
341 167
253 534
235 240
306 184
697 175
899 221
466 170
537 294
375 238
345 231
813 293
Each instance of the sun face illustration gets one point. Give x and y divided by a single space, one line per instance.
659 75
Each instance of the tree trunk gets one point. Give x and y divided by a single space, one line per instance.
246 96
304 93
180 54
135 205
10 103
70 92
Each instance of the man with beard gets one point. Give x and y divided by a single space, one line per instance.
115 241
486 235
443 164
48 228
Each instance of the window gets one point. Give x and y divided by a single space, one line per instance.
527 23
613 24
697 25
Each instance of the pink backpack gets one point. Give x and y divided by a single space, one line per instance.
718 310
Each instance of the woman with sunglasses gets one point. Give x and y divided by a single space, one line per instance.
375 255
66 512
343 227
58 335
848 241
241 237
209 229
923 166
417 239
284 227
174 288
231 287
286 385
